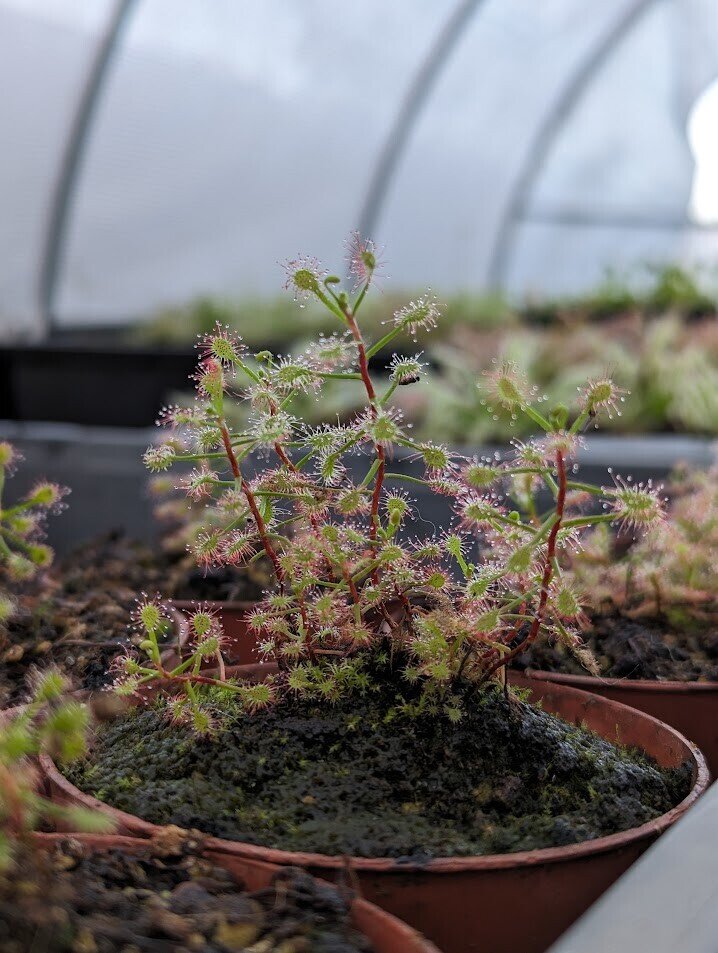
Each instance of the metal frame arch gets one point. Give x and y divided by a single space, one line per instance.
68 171
414 101
536 156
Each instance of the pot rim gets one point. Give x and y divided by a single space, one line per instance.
526 858
588 682
235 605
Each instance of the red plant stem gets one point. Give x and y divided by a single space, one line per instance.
350 582
363 362
288 463
229 450
307 627
11 790
252 501
547 573
279 450
380 451
192 679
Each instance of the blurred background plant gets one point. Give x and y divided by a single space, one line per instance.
23 553
274 322
672 571
51 723
657 337
669 365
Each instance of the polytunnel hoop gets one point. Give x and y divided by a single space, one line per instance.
66 183
416 97
536 155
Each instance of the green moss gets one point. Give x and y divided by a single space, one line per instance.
508 777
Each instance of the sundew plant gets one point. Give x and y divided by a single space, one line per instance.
50 723
23 552
355 589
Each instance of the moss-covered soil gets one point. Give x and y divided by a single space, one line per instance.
73 901
631 648
344 778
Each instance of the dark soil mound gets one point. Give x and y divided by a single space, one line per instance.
72 900
628 648
352 778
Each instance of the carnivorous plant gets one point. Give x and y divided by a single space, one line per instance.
355 586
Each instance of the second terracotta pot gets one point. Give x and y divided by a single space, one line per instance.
510 903
240 646
691 707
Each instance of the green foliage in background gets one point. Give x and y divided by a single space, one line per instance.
657 336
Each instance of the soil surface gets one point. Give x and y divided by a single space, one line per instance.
74 901
637 649
185 580
79 621
351 778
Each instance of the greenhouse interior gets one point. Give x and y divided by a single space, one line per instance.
358 476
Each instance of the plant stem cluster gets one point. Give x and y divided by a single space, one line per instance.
334 518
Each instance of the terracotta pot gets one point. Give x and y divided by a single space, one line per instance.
241 644
472 904
691 707
386 933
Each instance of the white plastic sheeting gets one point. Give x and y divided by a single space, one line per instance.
548 142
